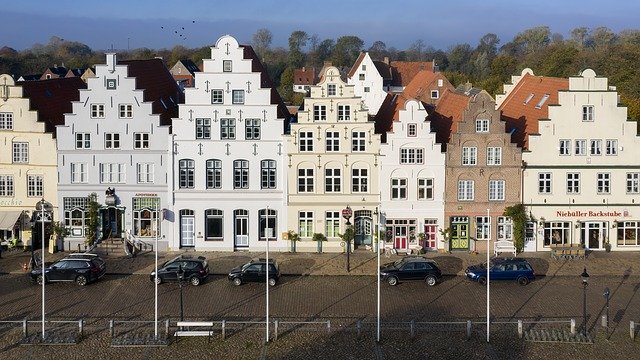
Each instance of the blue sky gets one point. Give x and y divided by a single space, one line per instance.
153 23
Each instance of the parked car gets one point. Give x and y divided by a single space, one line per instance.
255 271
81 268
411 268
502 269
195 270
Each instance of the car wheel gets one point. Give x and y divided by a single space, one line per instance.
40 279
158 280
393 281
195 281
272 282
523 280
81 280
431 281
237 281
482 280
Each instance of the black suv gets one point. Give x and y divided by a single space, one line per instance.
411 268
255 271
81 268
194 270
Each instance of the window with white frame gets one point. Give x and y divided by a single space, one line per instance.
140 140
633 183
35 186
332 180
214 174
237 96
6 121
226 65
595 147
465 190
20 152
332 223
367 89
214 223
306 141
217 96
83 141
240 174
268 174
557 232
252 129
469 155
358 140
411 155
145 172
112 173
305 180
305 224
412 130
425 189
360 180
111 141
186 174
344 112
604 183
483 227
505 228
581 147
97 111
319 112
544 183
6 185
565 147
628 233
267 224
494 156
398 189
331 89
145 212
126 111
203 128
78 173
332 141
74 215
361 77
587 113
435 94
227 129
573 183
482 125
496 190
611 148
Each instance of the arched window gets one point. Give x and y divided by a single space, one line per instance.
186 174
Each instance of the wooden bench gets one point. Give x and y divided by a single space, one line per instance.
504 246
195 328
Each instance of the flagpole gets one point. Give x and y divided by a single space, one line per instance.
488 279
266 234
156 276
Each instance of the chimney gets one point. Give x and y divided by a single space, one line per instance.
304 69
434 67
386 60
111 62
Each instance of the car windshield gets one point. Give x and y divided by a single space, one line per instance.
397 263
245 266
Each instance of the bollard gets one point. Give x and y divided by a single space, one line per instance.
573 326
24 327
81 327
632 330
520 332
328 326
412 329
468 329
223 328
604 321
79 248
275 329
111 329
358 325
166 328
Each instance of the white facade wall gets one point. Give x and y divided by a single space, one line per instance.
589 215
197 198
110 88
368 78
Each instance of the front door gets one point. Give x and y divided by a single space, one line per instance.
430 236
595 233
363 230
187 231
241 228
400 237
460 233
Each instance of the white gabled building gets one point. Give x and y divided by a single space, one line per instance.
412 171
116 140
228 156
367 81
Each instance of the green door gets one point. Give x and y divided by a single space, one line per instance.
460 233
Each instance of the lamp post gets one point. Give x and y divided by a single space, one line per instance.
180 278
42 204
377 214
346 213
585 282
606 296
266 235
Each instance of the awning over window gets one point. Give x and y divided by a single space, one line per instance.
8 219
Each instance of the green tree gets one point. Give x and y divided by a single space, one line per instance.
519 216
261 41
286 84
378 50
297 41
347 50
91 230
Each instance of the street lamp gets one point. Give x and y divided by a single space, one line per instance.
346 213
41 205
585 282
377 214
180 278
606 296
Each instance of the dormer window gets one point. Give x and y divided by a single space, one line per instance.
526 101
331 89
226 65
587 113
542 101
440 83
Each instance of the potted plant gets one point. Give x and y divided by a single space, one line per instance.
607 245
446 236
59 231
319 238
347 237
293 237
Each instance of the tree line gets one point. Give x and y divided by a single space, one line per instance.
488 64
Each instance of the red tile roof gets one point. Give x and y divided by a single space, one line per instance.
402 72
423 82
446 115
520 109
304 76
356 65
52 99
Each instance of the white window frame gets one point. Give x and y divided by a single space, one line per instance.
603 183
319 112
203 128
6 121
544 183
20 154
588 113
126 111
332 180
97 111
305 224
633 183
425 188
505 228
268 173
79 173
398 189
564 147
482 125
412 130
573 183
332 224
111 140
241 174
145 173
252 129
35 186
305 141
611 147
217 96
141 140
465 190
360 180
358 141
227 66
213 174
496 190
237 96
332 141
227 129
494 156
595 147
112 173
7 187
580 147
411 155
332 90
306 180
83 141
483 227
435 94
469 156
344 112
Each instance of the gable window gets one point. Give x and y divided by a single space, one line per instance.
366 89
305 224
214 220
482 125
332 221
6 121
186 174
227 129
595 147
361 77
226 65
611 147
238 96
241 174
78 173
465 190
35 185
496 190
112 141
252 129
333 141
411 155
97 111
581 147
573 183
358 139
140 140
332 180
319 112
483 227
587 113
412 130
268 171
20 152
126 111
145 173
331 89
505 228
6 185
469 155
360 180
214 174
425 189
344 112
398 189
435 94
305 180
203 128
217 96
112 84
494 156
633 183
306 141
112 173
565 147
544 183
604 183
83 140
